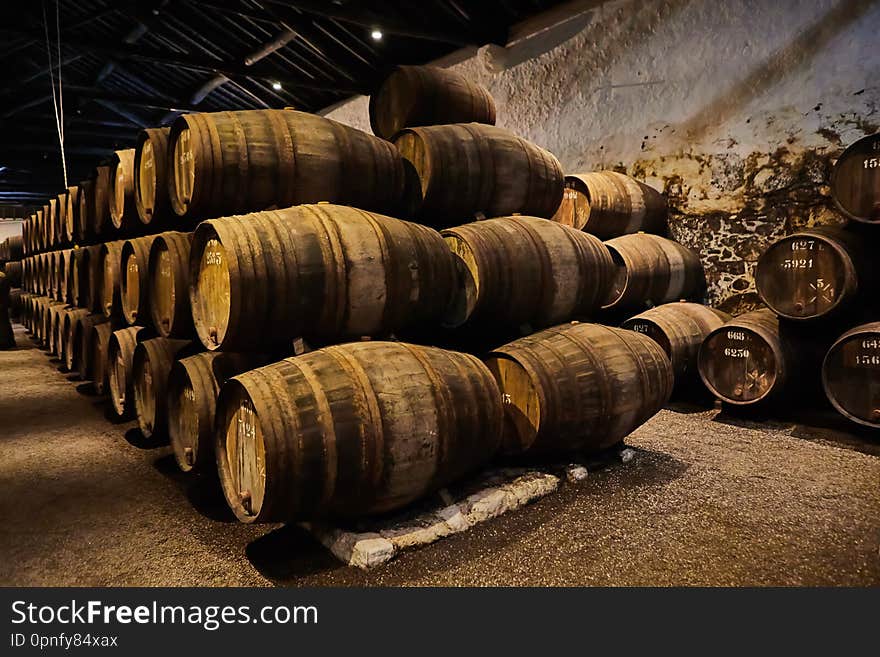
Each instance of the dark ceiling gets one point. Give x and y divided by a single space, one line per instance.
129 64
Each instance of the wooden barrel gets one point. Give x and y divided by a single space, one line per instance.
608 204
469 169
47 329
815 273
60 278
42 309
13 270
70 349
85 224
151 177
50 275
415 96
82 344
71 209
99 344
652 270
169 285
41 233
101 224
151 366
67 274
526 270
123 212
109 270
352 430
15 247
342 272
680 328
193 387
855 180
229 162
578 387
745 361
135 289
120 353
851 374
53 328
94 272
46 273
82 265
62 332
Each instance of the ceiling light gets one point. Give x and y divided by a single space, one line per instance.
377 35
276 86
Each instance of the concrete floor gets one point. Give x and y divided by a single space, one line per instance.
708 500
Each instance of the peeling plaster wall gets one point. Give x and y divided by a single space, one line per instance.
735 109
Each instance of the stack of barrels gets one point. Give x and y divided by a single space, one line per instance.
819 331
262 288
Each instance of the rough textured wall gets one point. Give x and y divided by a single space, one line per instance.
735 109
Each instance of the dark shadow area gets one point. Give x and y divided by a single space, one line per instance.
290 552
137 439
691 402
110 415
86 388
201 490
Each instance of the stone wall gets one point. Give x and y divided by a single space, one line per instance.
735 109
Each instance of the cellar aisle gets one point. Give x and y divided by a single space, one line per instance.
706 500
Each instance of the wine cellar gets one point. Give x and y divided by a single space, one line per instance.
477 293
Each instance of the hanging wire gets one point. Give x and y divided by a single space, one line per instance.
60 95
55 101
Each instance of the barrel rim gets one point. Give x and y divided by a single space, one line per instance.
203 233
178 377
181 123
234 389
